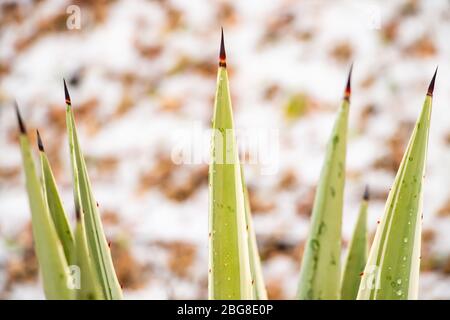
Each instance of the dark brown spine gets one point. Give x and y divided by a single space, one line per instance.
366 195
222 54
39 142
348 88
22 128
66 94
77 211
431 86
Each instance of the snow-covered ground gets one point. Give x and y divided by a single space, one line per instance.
142 77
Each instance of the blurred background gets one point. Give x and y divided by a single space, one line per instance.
142 72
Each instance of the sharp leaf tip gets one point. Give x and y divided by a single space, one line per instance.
431 86
39 142
22 127
348 88
77 211
366 194
222 54
66 93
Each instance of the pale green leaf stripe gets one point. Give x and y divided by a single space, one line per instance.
49 251
392 270
56 209
259 289
90 288
320 272
229 267
356 256
97 244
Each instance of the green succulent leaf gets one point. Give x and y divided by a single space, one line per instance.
229 266
56 209
392 270
356 256
98 246
259 289
90 288
49 251
320 269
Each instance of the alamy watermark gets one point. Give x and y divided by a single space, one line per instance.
73 21
371 15
371 279
256 146
74 279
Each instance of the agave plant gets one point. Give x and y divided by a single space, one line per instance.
87 211
49 250
394 256
357 253
74 265
82 256
320 271
392 270
230 275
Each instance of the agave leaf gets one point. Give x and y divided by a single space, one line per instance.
357 254
55 206
90 288
98 246
259 289
392 270
320 270
229 266
48 248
